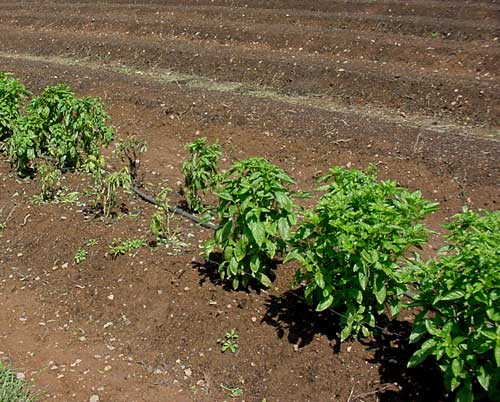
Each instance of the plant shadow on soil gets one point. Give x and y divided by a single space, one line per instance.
392 352
291 316
208 270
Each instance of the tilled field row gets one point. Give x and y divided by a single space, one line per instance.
457 57
444 153
485 27
470 10
446 98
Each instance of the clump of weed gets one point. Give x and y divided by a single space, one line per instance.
161 224
14 389
80 256
235 392
230 341
122 247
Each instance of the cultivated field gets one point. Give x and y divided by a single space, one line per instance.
410 86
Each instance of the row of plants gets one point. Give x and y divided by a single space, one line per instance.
356 248
353 250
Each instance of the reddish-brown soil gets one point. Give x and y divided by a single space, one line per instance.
410 86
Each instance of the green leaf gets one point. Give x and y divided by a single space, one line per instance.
457 367
270 229
233 266
323 305
240 250
420 355
225 231
258 232
264 279
283 200
254 263
366 256
283 228
380 290
228 253
345 333
497 355
418 331
293 255
431 328
484 378
309 292
489 333
453 295
455 382
244 281
363 279
493 314
271 249
318 277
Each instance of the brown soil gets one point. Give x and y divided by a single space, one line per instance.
155 339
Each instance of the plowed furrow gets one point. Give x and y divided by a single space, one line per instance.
461 100
446 28
457 57
470 10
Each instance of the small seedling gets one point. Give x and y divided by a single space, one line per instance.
230 341
91 243
233 392
160 221
81 255
122 247
3 223
200 172
67 198
160 224
131 149
50 181
105 186
112 183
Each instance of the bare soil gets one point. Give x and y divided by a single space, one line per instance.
145 327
